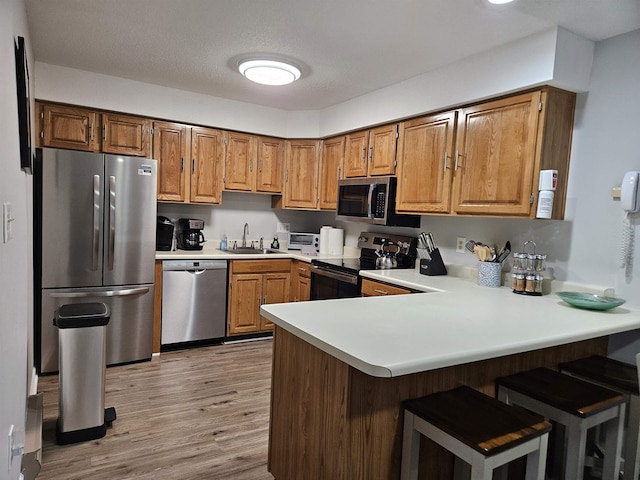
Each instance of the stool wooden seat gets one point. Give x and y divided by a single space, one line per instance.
576 404
623 378
478 429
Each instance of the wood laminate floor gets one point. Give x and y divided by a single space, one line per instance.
200 413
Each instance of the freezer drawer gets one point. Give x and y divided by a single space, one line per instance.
129 332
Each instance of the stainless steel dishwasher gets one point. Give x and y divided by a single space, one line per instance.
194 300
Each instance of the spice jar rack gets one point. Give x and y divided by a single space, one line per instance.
526 278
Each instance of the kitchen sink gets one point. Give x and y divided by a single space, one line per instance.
251 250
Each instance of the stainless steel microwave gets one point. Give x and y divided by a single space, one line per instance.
371 200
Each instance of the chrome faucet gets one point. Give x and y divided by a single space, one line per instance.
245 232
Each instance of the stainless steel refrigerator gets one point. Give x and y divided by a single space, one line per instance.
95 220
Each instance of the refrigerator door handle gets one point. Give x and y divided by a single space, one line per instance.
109 293
112 221
95 239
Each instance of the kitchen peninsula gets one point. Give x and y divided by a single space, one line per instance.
341 368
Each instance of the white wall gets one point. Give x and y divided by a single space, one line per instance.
528 62
16 292
238 208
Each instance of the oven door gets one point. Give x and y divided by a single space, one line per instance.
327 284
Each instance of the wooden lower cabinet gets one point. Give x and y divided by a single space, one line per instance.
253 283
300 281
371 288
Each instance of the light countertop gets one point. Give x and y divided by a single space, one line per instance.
456 322
212 252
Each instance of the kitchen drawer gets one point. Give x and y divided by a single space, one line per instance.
303 269
372 288
260 266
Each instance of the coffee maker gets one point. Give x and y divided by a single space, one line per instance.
190 236
164 234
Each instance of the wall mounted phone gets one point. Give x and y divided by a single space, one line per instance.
629 192
630 202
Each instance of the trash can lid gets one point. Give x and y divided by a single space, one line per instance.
78 315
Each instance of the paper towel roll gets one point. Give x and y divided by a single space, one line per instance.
336 241
324 240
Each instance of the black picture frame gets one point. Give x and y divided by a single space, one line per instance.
27 147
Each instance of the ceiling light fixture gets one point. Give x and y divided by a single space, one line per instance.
500 2
269 72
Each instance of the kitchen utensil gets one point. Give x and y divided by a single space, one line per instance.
469 245
482 252
589 301
503 255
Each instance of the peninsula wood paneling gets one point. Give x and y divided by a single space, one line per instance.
355 432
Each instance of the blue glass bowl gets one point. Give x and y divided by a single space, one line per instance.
590 301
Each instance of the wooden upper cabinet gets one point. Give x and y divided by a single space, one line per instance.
382 150
79 128
425 165
330 170
301 174
496 146
371 152
126 135
270 157
69 127
170 149
356 154
253 163
207 157
240 162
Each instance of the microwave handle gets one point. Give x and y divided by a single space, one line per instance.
372 189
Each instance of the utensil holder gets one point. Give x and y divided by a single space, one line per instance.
489 274
434 265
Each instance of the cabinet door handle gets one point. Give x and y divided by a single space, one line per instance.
364 153
181 165
370 153
104 133
458 155
193 165
251 164
260 165
445 162
381 292
91 131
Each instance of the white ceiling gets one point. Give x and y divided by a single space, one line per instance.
346 48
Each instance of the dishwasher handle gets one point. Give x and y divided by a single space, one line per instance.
196 266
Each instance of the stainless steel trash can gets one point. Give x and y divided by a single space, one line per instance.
82 351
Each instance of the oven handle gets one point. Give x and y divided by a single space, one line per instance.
343 277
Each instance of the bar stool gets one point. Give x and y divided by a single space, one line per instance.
476 428
575 404
623 378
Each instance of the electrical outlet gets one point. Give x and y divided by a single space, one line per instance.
460 244
283 227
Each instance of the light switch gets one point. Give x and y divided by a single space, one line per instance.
7 220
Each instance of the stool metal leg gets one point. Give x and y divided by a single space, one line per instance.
410 448
537 461
613 445
631 460
575 449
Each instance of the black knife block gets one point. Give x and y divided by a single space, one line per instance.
434 265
